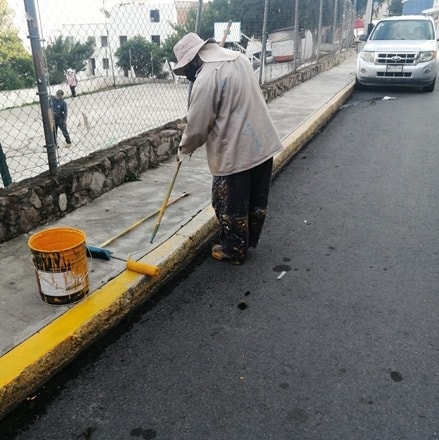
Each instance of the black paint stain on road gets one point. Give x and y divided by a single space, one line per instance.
242 305
281 268
396 376
146 434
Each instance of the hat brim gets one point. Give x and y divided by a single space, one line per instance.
180 66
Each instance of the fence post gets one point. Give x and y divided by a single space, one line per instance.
334 26
319 36
296 33
4 171
35 40
264 44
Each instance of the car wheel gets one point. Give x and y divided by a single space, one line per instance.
429 88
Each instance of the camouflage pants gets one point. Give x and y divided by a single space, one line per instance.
240 203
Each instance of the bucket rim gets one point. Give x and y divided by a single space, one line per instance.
35 236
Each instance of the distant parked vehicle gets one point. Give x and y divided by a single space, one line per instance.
400 51
256 59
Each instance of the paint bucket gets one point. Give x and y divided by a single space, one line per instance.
60 260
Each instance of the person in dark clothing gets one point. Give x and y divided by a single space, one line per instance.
59 108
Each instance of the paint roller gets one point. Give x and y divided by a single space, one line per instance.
135 266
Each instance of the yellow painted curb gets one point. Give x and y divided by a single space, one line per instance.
30 364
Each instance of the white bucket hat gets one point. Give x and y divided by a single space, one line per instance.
186 50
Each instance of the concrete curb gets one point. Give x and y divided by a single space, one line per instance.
30 364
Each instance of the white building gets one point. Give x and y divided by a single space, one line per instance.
152 20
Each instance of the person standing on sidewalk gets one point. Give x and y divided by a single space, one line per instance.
59 109
228 113
72 81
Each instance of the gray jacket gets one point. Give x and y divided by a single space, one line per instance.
228 113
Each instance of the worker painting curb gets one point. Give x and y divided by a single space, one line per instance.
27 366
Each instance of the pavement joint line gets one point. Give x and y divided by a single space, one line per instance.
31 363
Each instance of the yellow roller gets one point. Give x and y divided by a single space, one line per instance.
135 266
143 268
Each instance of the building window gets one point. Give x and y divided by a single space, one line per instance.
155 39
104 41
92 65
122 39
154 15
105 63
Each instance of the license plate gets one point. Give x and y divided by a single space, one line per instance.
394 69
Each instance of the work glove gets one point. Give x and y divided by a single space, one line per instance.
181 156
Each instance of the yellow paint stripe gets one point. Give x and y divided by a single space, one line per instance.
13 363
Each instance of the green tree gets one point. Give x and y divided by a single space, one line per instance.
143 56
65 53
167 48
395 7
361 7
250 13
16 66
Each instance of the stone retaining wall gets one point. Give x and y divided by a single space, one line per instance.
34 202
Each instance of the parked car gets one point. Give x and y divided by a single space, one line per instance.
400 51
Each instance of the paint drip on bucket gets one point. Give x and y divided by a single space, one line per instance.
60 260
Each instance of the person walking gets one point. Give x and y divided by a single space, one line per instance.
59 109
72 81
227 112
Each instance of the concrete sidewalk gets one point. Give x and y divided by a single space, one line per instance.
37 339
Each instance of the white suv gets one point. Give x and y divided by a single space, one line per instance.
400 51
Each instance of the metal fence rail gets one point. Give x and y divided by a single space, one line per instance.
115 102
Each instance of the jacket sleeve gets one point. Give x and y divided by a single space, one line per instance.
202 113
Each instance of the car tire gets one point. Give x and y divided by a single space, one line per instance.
430 87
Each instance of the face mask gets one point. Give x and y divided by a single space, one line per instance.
191 71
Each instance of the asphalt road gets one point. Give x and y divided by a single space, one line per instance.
328 332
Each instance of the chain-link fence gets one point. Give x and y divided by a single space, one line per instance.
113 62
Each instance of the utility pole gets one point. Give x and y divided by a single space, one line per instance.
198 18
264 44
368 17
